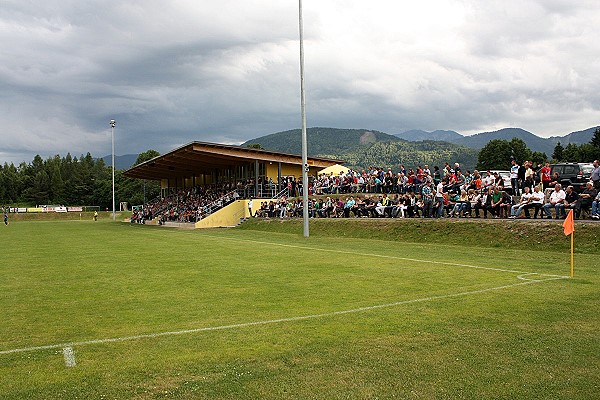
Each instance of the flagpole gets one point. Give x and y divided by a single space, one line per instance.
572 261
305 166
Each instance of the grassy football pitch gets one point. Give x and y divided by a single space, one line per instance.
115 311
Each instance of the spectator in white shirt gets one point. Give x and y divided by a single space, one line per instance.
556 199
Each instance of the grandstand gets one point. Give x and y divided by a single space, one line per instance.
251 172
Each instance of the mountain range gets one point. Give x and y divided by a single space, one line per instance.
361 147
479 140
121 162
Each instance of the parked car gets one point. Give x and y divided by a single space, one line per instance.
576 174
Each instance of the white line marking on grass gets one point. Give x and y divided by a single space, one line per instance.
69 356
273 321
523 277
390 257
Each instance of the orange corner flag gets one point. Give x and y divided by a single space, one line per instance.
569 224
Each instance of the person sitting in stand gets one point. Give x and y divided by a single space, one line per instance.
555 180
507 202
536 201
586 197
557 197
596 207
381 205
461 205
391 210
460 181
484 202
488 180
571 202
419 207
411 205
476 183
359 208
497 200
370 207
453 198
474 199
399 208
348 206
515 211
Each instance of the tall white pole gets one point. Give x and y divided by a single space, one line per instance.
113 123
305 165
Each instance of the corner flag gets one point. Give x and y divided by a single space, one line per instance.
569 224
569 228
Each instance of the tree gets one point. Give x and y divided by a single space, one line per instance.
588 153
498 153
255 146
595 146
519 150
571 153
57 185
596 138
39 192
145 156
558 152
10 183
538 158
494 155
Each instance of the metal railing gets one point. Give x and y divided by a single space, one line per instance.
265 191
216 205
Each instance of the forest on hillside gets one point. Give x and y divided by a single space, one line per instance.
81 181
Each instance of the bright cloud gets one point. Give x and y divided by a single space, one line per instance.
227 71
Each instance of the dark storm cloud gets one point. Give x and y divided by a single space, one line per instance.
227 71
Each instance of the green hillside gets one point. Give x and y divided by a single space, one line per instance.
321 140
361 148
410 154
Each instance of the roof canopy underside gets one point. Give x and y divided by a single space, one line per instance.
199 158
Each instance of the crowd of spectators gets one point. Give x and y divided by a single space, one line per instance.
186 205
437 193
407 193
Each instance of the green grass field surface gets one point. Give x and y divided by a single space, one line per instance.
153 313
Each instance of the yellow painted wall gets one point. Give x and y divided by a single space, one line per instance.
288 170
228 216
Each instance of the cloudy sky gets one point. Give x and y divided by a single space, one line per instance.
170 72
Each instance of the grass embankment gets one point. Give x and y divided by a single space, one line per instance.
523 235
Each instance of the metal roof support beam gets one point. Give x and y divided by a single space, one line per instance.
256 178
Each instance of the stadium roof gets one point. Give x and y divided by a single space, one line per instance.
198 158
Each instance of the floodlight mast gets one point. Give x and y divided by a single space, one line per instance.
113 123
305 166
